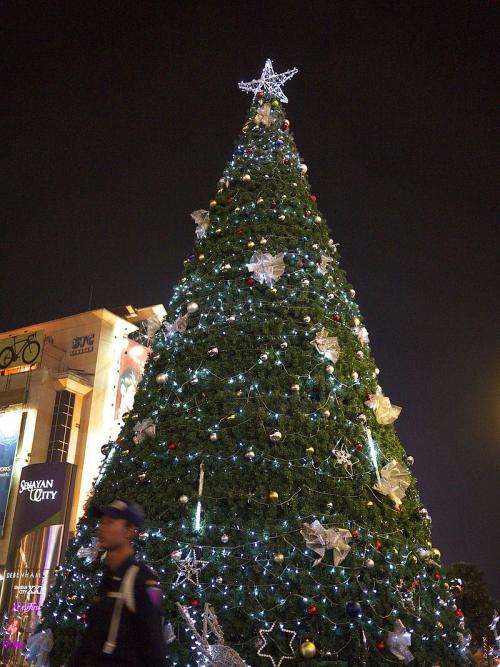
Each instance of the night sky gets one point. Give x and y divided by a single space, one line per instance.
119 118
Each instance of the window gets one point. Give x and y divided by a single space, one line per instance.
61 426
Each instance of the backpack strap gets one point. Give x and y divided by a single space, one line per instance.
124 596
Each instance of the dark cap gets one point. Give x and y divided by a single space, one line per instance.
123 509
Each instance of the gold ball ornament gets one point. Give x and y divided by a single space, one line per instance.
183 499
435 553
369 503
308 649
213 203
309 450
263 241
446 584
250 244
275 104
273 290
192 307
273 495
357 321
413 558
201 257
279 557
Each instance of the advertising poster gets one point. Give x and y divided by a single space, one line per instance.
132 364
10 426
39 535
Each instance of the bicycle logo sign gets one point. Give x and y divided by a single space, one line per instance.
21 350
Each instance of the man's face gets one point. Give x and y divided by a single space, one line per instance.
114 533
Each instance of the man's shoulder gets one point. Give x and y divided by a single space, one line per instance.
146 575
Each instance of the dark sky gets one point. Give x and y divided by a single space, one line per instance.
119 118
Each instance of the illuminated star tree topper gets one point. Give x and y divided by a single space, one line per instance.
269 82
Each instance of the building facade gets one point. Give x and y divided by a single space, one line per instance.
64 386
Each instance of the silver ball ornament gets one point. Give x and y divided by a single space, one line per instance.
246 178
224 538
303 168
192 307
161 378
214 437
329 369
295 387
410 460
213 352
183 499
275 436
369 564
250 454
306 319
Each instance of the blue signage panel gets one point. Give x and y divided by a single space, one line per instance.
10 426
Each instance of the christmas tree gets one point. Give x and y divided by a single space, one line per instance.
280 506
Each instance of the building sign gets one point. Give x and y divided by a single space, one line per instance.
22 350
82 345
132 364
10 427
41 499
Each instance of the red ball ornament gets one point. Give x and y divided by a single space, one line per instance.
378 544
380 646
119 440
312 197
259 94
229 200
459 613
82 617
172 445
358 446
241 232
250 281
286 160
437 576
307 212
195 602
312 611
249 149
285 125
274 203
397 509
337 317
355 533
300 264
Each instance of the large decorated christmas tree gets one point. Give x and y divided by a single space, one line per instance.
280 505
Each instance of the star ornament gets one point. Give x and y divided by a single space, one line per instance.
260 652
188 569
269 82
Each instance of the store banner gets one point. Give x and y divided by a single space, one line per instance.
22 350
132 364
41 498
10 428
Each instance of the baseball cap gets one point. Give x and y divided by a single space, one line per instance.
123 509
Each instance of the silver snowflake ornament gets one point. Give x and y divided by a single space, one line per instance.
269 82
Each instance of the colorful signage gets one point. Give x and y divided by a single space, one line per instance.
41 499
132 364
22 350
10 427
